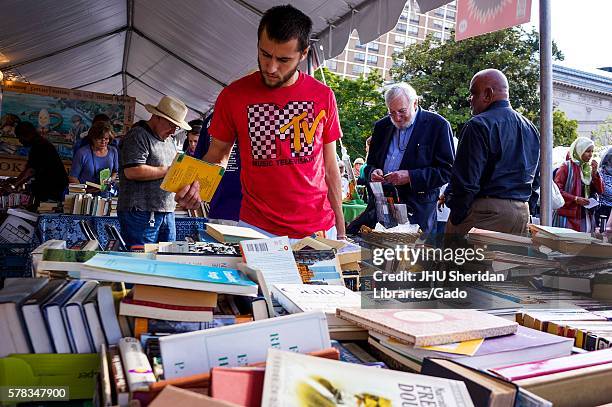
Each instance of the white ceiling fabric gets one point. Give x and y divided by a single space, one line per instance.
188 49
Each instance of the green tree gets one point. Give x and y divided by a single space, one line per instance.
360 104
441 73
603 133
565 130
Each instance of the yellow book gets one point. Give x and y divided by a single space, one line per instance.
185 169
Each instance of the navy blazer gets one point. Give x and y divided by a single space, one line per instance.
428 158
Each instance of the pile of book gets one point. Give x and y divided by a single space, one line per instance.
58 316
14 200
87 204
49 207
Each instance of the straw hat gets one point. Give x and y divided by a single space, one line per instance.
172 109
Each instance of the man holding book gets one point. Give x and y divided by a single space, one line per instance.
145 211
286 126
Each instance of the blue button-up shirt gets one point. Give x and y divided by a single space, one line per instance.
498 156
398 145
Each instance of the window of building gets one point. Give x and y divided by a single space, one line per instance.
414 19
411 41
359 56
450 14
372 59
439 12
438 24
331 64
359 45
373 46
357 69
401 27
400 39
397 50
403 17
437 35
412 30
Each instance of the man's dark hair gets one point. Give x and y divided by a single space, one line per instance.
25 128
284 23
101 117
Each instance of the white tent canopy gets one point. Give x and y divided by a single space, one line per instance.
148 48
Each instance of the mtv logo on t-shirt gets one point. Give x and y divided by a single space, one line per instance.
296 123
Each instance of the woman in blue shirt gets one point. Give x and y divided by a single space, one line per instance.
92 159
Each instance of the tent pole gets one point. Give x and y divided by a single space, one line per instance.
546 110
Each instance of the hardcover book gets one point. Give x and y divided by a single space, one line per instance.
429 327
242 344
188 276
232 234
296 298
300 380
556 365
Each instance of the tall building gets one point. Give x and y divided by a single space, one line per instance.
412 27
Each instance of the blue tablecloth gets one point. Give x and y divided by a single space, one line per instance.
66 227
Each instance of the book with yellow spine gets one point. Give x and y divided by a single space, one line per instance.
185 169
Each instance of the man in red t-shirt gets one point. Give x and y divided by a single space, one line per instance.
287 125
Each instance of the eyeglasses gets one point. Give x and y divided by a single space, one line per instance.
173 126
401 112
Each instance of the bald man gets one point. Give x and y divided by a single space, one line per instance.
497 163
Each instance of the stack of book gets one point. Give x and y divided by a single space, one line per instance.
14 200
56 316
87 204
589 330
49 207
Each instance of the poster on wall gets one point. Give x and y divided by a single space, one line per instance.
61 115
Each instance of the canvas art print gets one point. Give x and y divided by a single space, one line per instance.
61 115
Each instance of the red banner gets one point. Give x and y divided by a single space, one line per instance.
476 17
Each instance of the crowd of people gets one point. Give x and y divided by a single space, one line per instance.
276 131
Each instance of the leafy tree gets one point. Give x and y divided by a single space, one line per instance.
441 73
565 130
603 133
360 104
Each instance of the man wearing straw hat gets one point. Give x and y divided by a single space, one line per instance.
145 211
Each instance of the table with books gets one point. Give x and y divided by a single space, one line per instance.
66 227
201 320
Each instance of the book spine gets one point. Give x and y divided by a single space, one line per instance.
119 381
160 305
137 367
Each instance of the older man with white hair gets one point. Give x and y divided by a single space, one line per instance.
411 149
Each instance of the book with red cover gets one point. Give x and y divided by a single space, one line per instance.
157 310
239 385
556 365
431 326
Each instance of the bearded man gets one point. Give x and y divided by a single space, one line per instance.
412 149
286 125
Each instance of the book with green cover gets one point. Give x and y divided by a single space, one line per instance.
81 256
77 371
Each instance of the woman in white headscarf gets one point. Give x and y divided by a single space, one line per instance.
578 180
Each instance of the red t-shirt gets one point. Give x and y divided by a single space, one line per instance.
281 133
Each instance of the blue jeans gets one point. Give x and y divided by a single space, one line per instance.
136 229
